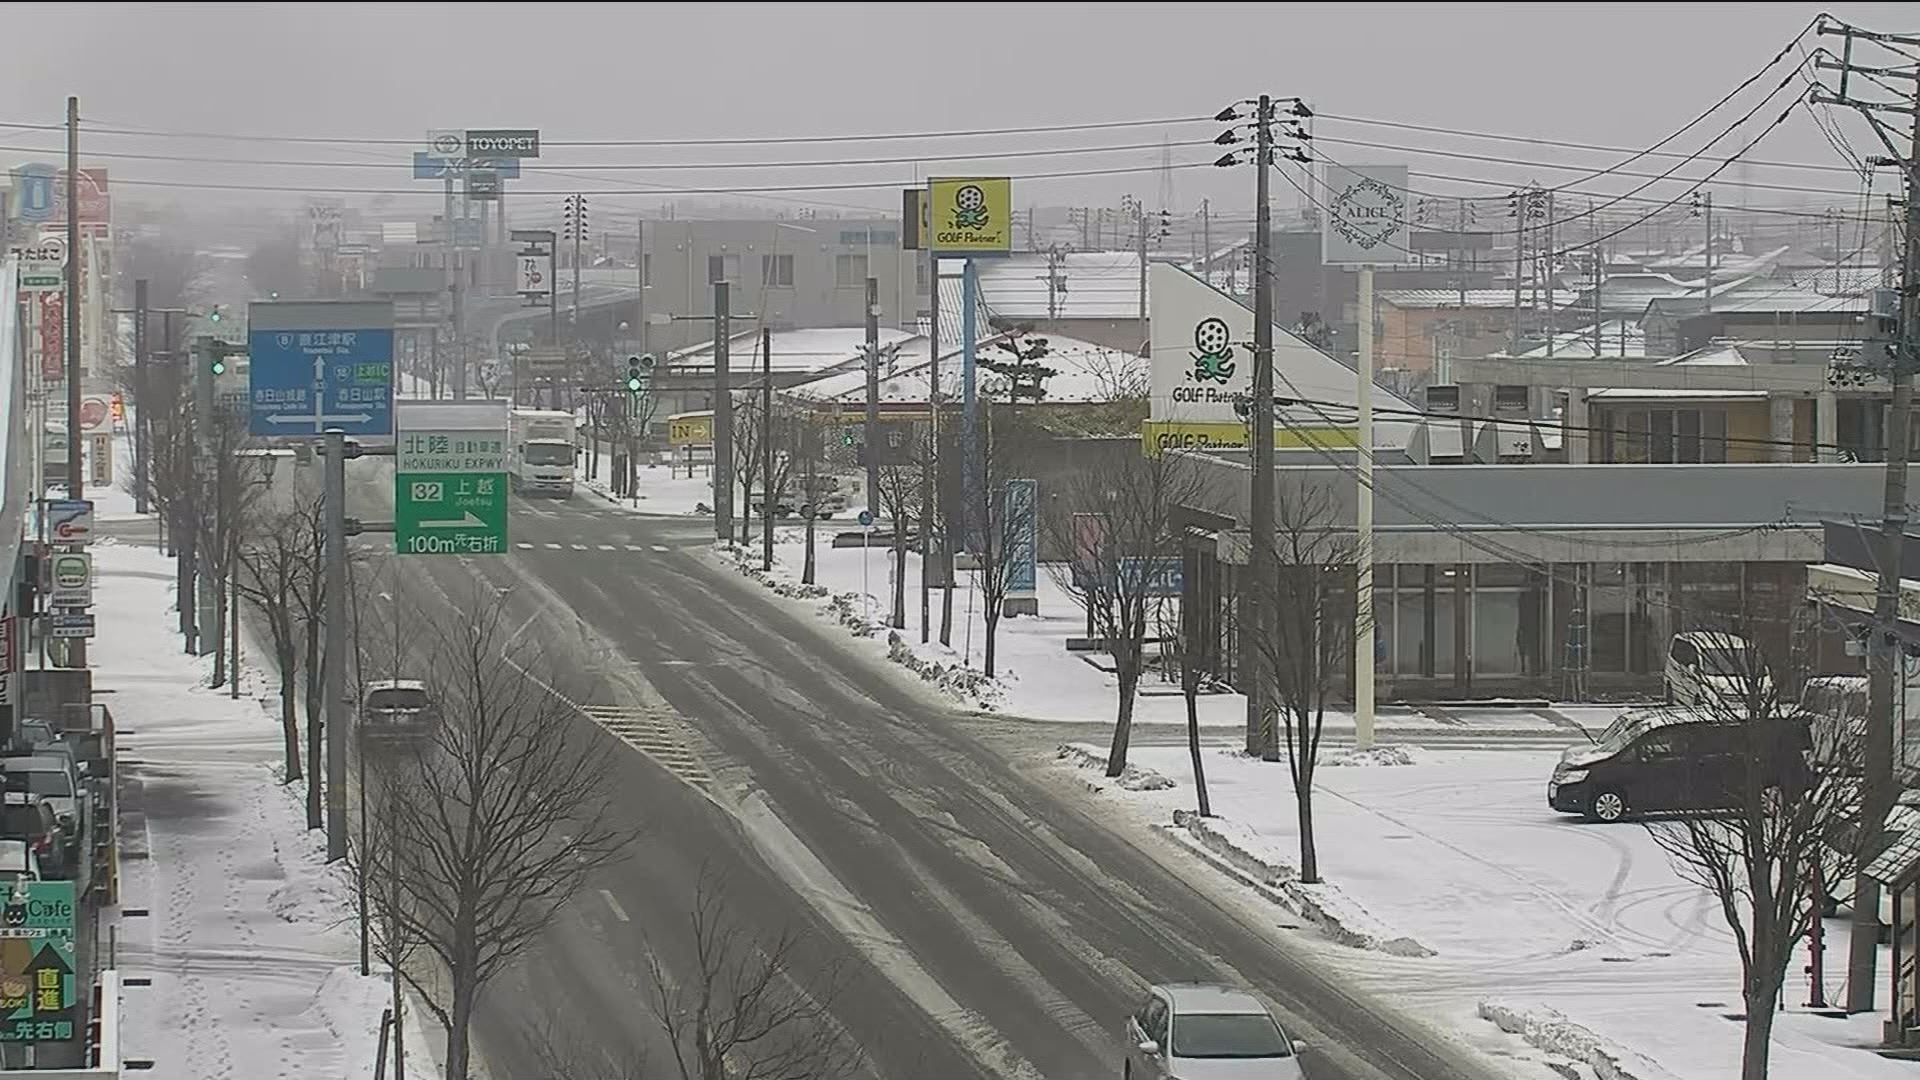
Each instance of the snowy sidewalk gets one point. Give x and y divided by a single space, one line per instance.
227 905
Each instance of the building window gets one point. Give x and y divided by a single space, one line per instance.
868 237
777 271
723 268
849 271
1662 436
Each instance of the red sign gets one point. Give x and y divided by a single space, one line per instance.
119 408
53 336
93 413
96 205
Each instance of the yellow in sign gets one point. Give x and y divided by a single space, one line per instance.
690 429
971 215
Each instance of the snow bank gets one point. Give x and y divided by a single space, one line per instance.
1131 778
1551 1031
1338 915
1375 755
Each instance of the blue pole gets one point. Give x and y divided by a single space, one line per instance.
970 435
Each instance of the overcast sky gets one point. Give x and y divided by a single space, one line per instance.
1615 74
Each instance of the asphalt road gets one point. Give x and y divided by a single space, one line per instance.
982 923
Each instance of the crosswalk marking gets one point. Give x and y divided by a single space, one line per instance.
656 732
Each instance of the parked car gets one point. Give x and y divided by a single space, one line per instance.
52 778
1656 760
1708 666
30 817
1197 1031
17 863
397 709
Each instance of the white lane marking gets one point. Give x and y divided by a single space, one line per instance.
609 547
618 911
554 547
578 547
661 547
524 546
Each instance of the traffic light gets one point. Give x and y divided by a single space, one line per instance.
214 315
635 379
216 359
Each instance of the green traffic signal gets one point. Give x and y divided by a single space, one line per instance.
214 315
219 365
633 384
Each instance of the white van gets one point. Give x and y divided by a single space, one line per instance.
1705 666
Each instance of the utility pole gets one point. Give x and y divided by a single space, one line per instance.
1260 736
1206 241
1883 686
1703 205
941 490
77 651
1552 278
1141 253
575 215
766 449
640 280
1517 209
140 398
722 417
873 394
336 643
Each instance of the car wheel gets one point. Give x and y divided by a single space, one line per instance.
1607 807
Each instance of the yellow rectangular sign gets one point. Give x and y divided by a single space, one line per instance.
971 215
1159 435
690 429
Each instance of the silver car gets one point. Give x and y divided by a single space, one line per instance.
1198 1031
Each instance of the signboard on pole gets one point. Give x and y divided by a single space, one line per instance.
913 219
1022 539
430 167
71 580
69 521
535 274
33 198
483 185
971 215
96 206
314 365
37 961
690 429
1367 216
447 143
53 336
502 142
450 479
70 624
8 642
100 460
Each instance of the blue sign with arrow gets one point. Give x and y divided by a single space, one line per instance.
304 382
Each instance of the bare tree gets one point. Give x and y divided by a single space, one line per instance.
275 557
1764 818
1310 629
497 822
998 522
1116 517
899 490
567 1052
743 1013
1182 641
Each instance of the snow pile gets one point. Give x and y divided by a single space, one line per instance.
1131 778
1375 755
967 684
747 562
1338 915
1551 1031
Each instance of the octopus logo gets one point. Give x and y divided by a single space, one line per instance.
1213 355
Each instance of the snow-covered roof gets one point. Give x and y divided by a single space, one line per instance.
1619 339
1471 298
1097 285
1716 354
1085 372
816 349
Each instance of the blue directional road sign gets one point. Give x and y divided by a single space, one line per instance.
318 365
428 167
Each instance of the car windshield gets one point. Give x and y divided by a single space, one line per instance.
549 454
1623 731
1227 1035
51 782
1733 660
406 698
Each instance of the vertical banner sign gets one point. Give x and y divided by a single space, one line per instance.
6 660
1366 219
1021 538
971 215
37 962
53 337
535 274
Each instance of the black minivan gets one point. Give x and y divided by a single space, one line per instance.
1656 760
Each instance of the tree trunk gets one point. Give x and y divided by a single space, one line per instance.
1309 858
313 727
289 717
219 625
1191 691
806 570
459 1027
899 621
993 625
1761 1002
1129 672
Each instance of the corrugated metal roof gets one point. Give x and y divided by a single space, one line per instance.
1475 298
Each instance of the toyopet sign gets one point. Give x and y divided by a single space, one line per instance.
450 479
71 581
502 142
37 962
1367 215
971 215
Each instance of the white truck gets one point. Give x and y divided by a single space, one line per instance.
541 460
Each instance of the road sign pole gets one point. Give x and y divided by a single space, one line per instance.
336 658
